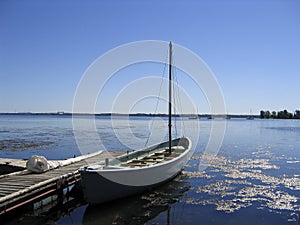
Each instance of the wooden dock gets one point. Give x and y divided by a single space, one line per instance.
20 188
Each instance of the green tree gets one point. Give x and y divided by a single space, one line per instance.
267 114
285 115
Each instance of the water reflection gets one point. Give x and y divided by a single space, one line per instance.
138 209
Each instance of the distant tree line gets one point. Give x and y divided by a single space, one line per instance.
284 114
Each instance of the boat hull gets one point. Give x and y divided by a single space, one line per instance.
101 186
99 189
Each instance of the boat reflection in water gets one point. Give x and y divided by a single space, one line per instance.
140 208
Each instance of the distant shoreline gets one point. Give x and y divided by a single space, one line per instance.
210 116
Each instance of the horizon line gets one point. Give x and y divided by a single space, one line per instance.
125 114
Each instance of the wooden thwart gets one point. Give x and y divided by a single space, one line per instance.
154 158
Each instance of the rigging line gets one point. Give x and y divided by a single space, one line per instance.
174 94
159 94
179 100
182 120
175 112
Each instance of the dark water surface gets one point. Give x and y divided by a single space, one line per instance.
254 178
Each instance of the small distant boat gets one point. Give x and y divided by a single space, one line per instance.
139 170
250 117
194 116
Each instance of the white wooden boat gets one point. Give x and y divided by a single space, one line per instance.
135 172
139 170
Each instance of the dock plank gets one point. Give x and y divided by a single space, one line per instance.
19 188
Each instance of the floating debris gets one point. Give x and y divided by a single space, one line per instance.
22 144
217 188
293 161
292 183
197 174
231 206
242 182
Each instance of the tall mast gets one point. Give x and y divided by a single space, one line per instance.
170 98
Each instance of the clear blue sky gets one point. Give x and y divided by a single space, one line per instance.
252 47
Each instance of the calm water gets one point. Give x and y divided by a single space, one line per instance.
254 178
